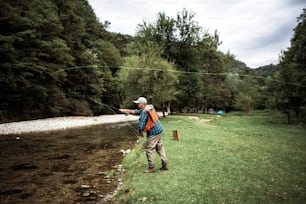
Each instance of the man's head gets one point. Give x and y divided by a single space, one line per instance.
141 102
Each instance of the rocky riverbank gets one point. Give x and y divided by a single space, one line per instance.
61 123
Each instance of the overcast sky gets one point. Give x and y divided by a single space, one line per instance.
255 31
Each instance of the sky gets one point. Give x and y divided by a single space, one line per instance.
254 31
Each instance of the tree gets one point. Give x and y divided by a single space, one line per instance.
290 90
49 59
194 51
148 75
244 103
32 51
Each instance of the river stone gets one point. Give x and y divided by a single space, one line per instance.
85 186
86 194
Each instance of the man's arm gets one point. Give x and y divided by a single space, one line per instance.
142 121
128 111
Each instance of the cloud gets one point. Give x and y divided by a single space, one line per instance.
255 31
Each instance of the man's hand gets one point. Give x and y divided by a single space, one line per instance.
141 133
127 111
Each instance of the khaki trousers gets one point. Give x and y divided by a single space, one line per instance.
155 142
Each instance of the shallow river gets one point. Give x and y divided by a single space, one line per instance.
72 166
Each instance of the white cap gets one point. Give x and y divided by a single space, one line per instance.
141 100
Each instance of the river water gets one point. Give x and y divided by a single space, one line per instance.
72 166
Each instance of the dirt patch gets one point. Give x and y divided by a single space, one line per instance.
71 166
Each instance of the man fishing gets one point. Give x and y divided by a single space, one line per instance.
149 122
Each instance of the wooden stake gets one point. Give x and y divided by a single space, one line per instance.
176 135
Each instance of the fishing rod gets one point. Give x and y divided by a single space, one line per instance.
112 109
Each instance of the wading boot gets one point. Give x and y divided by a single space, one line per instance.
164 167
149 170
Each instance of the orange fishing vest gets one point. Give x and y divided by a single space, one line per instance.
152 118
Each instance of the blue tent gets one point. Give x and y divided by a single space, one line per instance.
221 112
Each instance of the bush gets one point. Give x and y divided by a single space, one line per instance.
80 107
244 103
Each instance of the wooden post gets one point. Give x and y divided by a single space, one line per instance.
176 135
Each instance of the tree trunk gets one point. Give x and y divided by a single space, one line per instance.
168 107
288 117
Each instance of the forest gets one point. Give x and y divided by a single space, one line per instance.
58 59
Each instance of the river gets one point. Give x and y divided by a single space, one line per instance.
71 166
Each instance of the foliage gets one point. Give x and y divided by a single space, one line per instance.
58 59
41 50
266 71
244 103
289 82
158 85
193 51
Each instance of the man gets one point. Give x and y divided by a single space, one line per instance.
149 122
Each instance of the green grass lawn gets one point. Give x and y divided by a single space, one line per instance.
235 158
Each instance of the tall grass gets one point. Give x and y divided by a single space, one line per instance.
235 158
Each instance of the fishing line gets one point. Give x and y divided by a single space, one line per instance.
173 71
111 108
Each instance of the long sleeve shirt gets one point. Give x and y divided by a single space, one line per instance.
155 130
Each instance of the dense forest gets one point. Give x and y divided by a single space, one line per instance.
58 59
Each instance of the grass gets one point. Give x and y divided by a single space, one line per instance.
236 158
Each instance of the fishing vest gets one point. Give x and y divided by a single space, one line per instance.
152 119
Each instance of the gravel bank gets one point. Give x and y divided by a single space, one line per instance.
61 123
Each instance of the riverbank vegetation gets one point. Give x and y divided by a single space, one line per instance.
236 158
58 59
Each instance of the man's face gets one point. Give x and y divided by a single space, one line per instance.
141 105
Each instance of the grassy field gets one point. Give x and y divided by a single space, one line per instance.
236 158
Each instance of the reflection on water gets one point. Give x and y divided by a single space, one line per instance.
53 167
